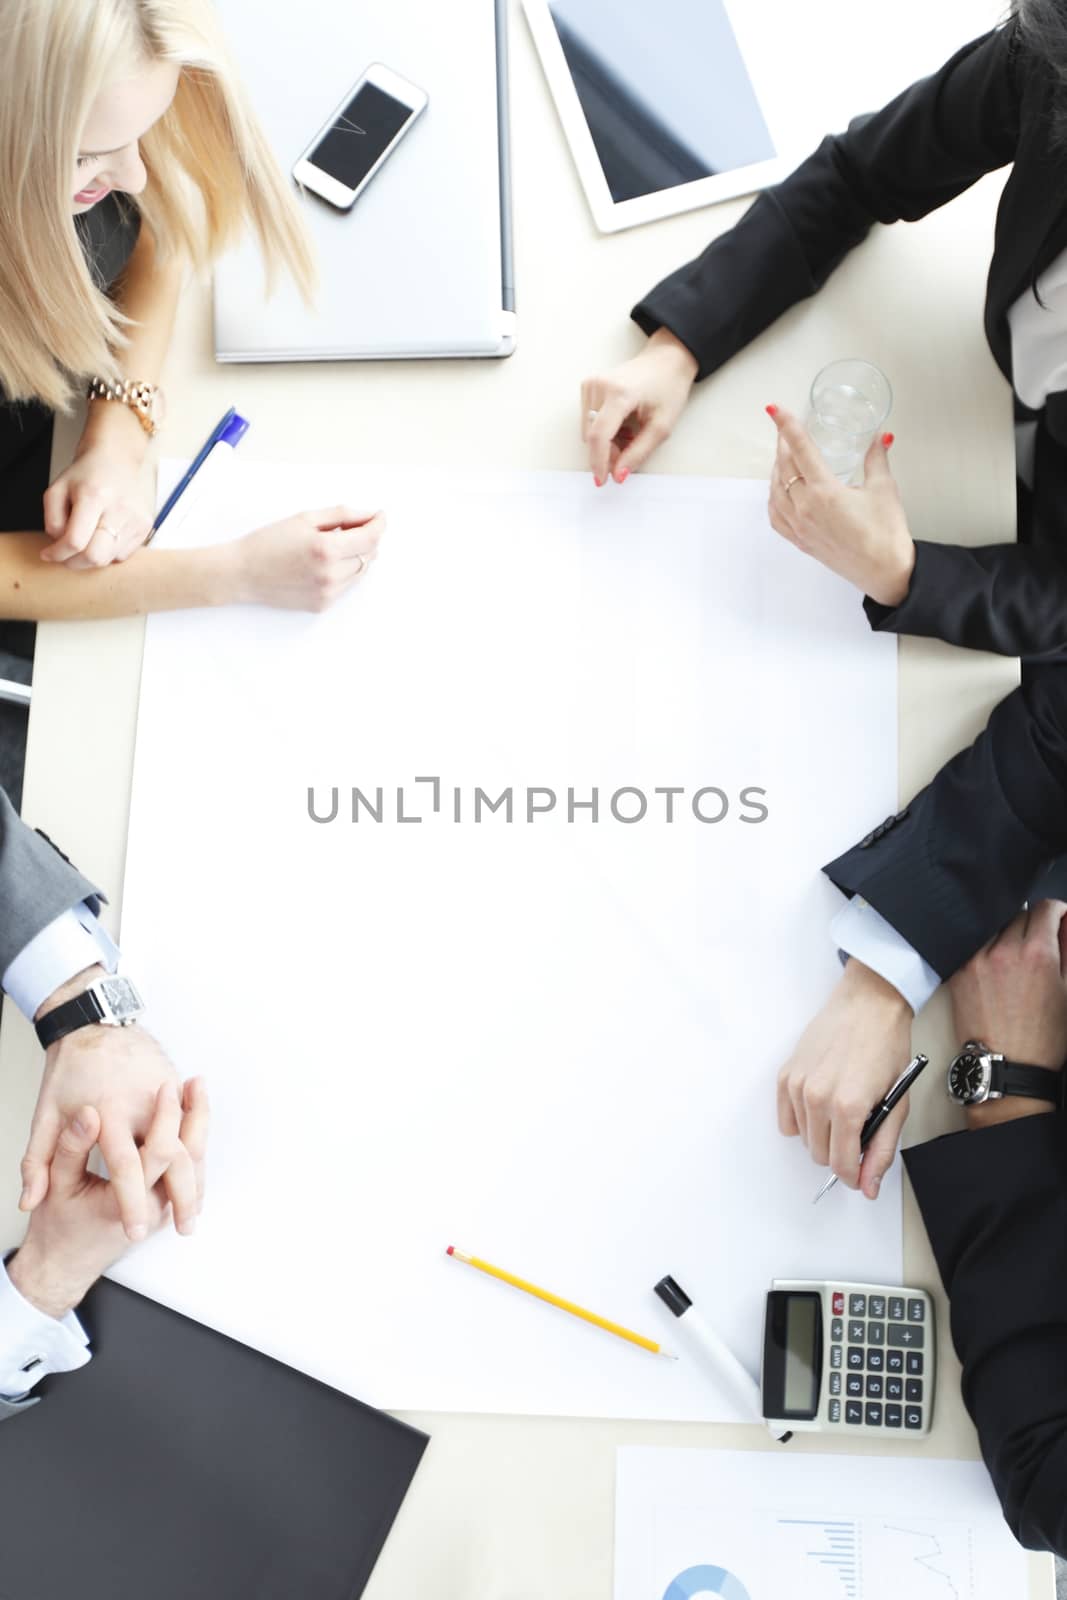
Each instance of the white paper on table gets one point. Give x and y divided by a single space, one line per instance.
755 1526
555 1044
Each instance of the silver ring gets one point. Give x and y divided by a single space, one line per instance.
102 527
362 565
798 477
592 415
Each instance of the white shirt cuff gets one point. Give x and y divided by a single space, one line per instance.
33 1344
67 946
859 930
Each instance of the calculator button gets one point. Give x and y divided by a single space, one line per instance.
835 1355
853 1411
874 1389
874 1416
913 1417
876 1333
906 1336
916 1310
894 1361
914 1389
876 1305
894 1388
854 1384
837 1330
835 1383
855 1357
875 1360
915 1364
839 1304
857 1305
896 1309
855 1332
835 1411
892 1416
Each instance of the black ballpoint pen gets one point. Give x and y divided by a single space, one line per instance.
880 1112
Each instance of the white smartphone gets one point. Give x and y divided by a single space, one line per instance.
367 126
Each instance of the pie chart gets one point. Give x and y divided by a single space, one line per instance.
706 1580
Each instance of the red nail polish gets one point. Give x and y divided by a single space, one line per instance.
599 482
623 475
772 411
887 439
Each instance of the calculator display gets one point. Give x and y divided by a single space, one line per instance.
792 1356
801 1341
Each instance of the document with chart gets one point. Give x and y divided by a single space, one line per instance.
752 1526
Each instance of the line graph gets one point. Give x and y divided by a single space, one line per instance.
874 1558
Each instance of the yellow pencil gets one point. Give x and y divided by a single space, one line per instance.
563 1305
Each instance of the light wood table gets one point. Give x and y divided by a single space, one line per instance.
520 1508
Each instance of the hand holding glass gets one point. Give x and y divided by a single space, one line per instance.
850 402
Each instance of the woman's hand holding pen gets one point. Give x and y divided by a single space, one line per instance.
98 511
859 533
627 413
847 1059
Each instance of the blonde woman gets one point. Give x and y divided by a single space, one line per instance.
128 155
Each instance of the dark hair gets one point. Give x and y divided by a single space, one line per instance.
1040 28
1041 31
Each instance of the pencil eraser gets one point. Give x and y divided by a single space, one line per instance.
450 1250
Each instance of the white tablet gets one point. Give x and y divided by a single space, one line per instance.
657 104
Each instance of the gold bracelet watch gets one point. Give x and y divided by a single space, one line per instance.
145 400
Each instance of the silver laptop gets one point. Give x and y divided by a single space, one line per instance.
422 264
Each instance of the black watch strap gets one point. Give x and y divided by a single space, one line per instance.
84 1009
1036 1083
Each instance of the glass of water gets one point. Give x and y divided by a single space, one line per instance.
850 402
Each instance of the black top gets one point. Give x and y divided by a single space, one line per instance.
988 107
108 233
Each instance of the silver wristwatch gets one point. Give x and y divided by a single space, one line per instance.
114 1002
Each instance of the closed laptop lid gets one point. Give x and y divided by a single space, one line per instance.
415 267
180 1463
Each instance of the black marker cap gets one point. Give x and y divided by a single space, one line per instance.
673 1296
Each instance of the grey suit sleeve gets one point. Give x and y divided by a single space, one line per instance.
37 884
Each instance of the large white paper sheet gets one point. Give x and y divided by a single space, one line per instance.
552 1043
737 1526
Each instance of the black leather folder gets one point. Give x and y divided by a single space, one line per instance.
181 1465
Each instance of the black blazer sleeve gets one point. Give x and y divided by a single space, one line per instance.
37 884
957 863
924 148
1008 598
995 1207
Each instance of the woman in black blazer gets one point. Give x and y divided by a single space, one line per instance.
998 101
954 866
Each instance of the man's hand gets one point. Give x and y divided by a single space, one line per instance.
77 1231
1013 997
119 1071
848 1057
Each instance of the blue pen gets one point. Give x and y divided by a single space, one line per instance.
228 431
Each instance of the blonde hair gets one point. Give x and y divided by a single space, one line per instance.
210 174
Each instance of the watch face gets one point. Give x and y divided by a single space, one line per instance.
122 997
968 1077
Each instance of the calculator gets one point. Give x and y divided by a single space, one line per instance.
856 1359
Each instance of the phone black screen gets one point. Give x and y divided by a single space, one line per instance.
368 125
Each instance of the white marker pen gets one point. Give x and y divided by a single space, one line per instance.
741 1384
